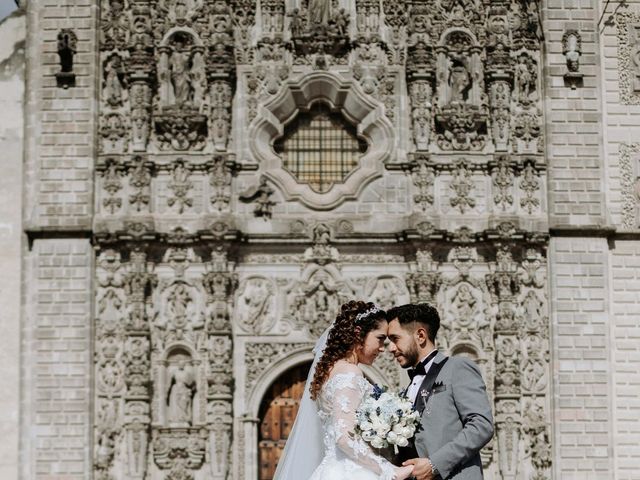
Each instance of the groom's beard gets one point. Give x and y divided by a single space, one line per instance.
412 356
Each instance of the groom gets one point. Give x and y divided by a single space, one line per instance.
450 394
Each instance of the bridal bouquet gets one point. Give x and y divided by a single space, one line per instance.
386 418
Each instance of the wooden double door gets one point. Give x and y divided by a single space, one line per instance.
277 414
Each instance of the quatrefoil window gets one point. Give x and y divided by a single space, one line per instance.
320 148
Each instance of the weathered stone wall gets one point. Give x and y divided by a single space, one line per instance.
12 39
58 203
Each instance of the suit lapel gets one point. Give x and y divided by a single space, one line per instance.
427 384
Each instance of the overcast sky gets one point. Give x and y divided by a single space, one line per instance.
6 7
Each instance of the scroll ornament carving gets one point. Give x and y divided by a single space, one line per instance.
111 185
259 357
424 280
113 130
321 252
140 182
180 185
462 186
503 178
628 24
243 13
396 18
220 182
114 24
272 69
179 451
530 185
423 178
420 96
369 67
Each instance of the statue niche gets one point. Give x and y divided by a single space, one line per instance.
181 381
320 28
461 104
181 123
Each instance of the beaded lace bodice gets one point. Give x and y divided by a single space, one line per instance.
338 401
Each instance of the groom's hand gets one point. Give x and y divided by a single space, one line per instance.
421 468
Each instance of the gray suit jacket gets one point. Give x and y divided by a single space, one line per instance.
456 421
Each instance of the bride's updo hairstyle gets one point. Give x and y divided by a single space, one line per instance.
355 320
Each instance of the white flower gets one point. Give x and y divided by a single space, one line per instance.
377 443
402 442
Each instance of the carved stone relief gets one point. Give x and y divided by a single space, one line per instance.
496 312
630 179
628 24
163 349
256 305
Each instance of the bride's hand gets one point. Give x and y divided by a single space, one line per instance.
403 472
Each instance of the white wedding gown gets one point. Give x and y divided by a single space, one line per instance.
345 457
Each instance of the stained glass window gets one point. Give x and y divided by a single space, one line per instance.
320 148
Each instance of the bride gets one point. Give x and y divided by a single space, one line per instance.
321 445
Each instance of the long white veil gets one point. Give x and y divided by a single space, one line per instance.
305 448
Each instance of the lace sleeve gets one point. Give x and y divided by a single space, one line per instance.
346 399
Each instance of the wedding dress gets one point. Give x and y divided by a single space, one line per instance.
345 456
320 446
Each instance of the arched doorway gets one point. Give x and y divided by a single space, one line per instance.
277 413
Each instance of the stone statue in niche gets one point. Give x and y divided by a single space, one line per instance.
113 88
179 64
181 73
458 79
319 11
525 84
182 388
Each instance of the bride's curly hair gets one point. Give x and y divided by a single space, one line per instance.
346 333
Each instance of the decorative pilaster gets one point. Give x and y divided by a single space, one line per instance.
220 283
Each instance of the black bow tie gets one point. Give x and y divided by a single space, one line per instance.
419 369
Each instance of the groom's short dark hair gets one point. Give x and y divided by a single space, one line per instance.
422 313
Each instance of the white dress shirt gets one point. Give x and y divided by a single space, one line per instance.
413 389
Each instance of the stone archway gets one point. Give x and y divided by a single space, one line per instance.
277 414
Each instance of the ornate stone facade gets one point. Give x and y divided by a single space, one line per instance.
175 266
178 294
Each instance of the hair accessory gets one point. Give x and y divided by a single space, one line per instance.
365 314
